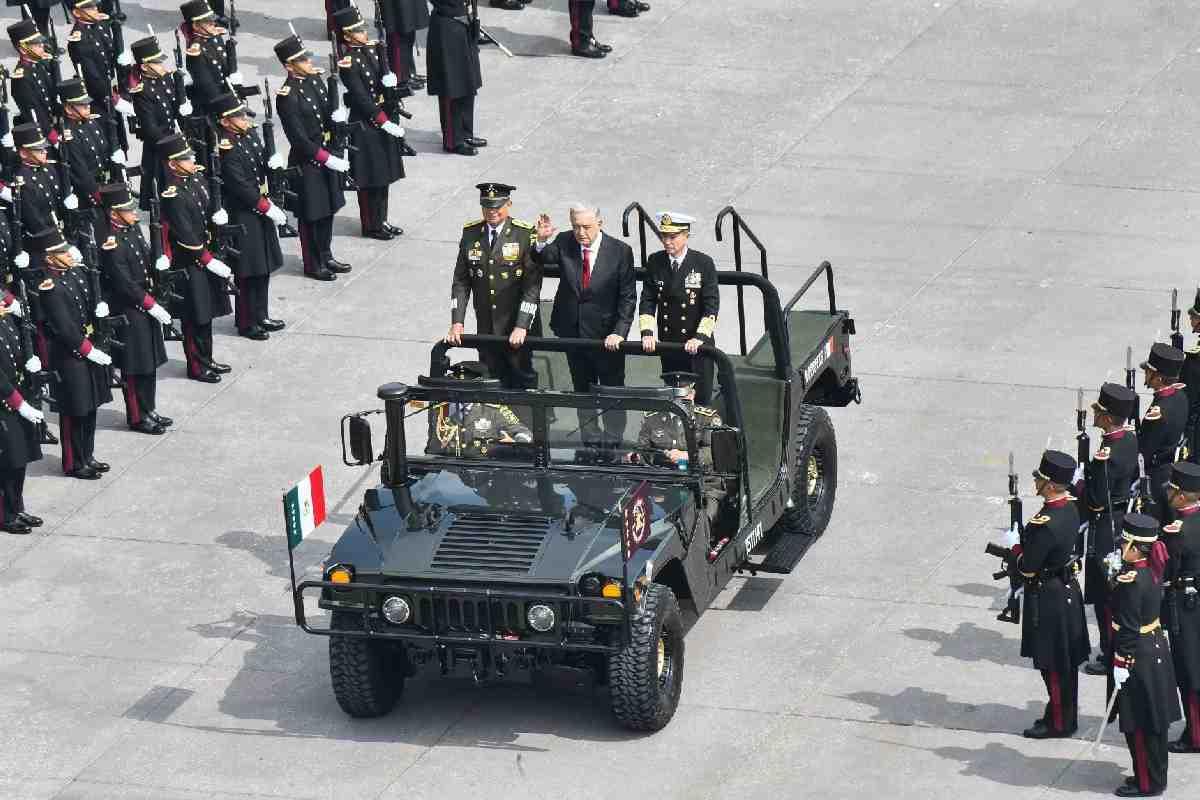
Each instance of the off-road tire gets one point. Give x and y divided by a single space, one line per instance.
809 515
644 698
367 674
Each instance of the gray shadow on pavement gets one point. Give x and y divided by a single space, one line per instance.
995 762
980 589
528 44
917 706
969 642
754 594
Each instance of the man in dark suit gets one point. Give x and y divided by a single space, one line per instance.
596 298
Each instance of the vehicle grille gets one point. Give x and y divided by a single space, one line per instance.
494 543
454 614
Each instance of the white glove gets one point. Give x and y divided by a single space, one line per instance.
21 260
337 164
76 256
1120 675
125 59
393 129
276 215
1012 538
34 364
236 79
276 161
101 310
14 308
71 202
98 356
1078 476
117 157
219 268
123 107
187 81
340 114
6 194
389 80
221 217
185 110
7 139
162 263
159 313
30 413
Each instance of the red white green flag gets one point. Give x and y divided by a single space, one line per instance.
304 507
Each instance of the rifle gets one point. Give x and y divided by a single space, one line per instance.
1176 336
69 216
231 57
8 155
393 97
1083 454
103 328
340 145
278 180
55 66
1012 607
35 388
1131 385
162 283
226 236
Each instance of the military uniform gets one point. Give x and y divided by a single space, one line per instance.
1189 376
83 385
305 108
43 190
473 429
87 153
377 161
1146 702
452 64
32 81
1161 432
244 173
1053 630
127 263
93 51
504 282
206 57
684 301
662 431
1181 604
157 110
19 439
402 19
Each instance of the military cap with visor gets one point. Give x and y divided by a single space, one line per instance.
82 3
1116 400
1140 528
674 222
174 148
1056 467
494 195
291 49
25 32
227 105
469 371
680 380
117 196
147 50
1185 476
74 92
196 11
348 19
1165 359
29 136
47 240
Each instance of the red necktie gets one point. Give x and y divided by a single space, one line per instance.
587 267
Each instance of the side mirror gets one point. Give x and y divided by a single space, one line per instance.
725 453
361 451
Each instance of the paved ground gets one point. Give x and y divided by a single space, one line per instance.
992 180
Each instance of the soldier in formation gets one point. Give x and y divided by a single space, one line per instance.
1160 436
1181 601
454 75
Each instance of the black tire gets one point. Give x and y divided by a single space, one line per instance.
644 680
814 486
367 674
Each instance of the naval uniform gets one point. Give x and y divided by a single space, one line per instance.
126 263
19 438
452 67
1147 702
304 108
244 172
504 282
1159 438
684 301
1053 630
1108 477
1181 614
157 110
82 386
377 163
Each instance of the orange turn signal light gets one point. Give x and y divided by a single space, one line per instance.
340 575
612 590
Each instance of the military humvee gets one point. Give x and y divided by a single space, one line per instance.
507 557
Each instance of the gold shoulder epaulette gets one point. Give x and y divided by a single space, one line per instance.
1103 453
345 62
75 36
284 91
1153 413
1173 527
110 243
46 285
705 411
1040 519
19 72
171 191
17 181
1127 577
520 223
472 223
137 87
193 49
225 144
66 135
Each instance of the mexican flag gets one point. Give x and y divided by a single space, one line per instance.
304 507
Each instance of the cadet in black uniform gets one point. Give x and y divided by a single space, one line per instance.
1142 668
1108 477
1161 433
207 62
87 153
70 305
452 64
1181 602
681 286
44 201
125 259
158 111
305 111
185 210
1190 377
1053 630
244 172
377 162
583 42
92 50
32 80
496 269
19 425
402 19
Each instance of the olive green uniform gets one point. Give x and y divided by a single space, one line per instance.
473 428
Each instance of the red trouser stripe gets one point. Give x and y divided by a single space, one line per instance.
64 432
574 9
306 232
241 307
166 239
364 210
399 63
1056 709
447 123
1194 717
131 401
1141 762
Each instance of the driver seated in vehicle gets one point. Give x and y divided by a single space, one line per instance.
662 438
473 429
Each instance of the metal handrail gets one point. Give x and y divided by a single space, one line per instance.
644 221
740 226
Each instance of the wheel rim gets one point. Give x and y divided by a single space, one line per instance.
815 484
666 660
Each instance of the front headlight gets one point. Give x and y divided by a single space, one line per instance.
396 610
540 617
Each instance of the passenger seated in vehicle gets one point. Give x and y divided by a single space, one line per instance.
473 429
662 438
